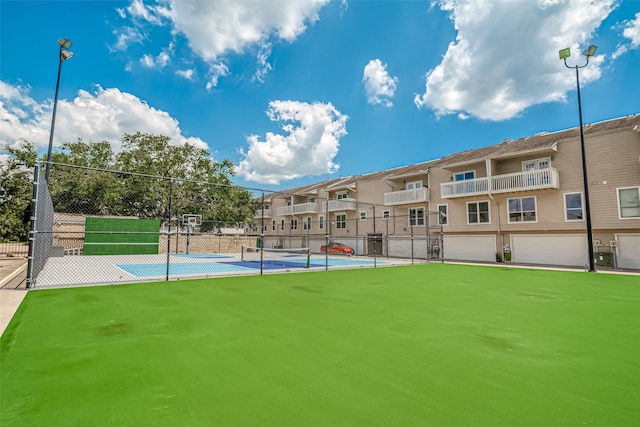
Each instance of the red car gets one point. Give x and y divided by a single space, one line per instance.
337 248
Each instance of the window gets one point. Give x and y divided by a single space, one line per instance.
522 209
416 216
573 207
273 225
282 225
341 221
306 223
341 196
321 222
363 215
629 202
478 213
463 176
311 199
544 163
414 184
386 214
294 223
442 218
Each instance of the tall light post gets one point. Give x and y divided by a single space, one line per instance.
65 44
564 54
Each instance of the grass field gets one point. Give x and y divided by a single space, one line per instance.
439 345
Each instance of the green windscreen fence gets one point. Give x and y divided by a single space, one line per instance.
121 236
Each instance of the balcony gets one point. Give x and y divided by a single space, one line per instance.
342 205
300 208
259 214
537 179
405 197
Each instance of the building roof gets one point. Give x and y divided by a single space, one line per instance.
540 142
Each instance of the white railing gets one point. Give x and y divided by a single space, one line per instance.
468 187
342 205
300 208
535 179
406 196
258 213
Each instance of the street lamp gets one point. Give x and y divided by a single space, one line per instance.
65 44
564 54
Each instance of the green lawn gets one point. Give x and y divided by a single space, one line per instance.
439 345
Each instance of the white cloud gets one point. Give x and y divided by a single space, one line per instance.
308 146
505 56
187 74
105 115
125 37
215 72
263 65
378 84
632 32
159 61
216 28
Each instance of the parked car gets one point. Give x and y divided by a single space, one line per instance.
337 248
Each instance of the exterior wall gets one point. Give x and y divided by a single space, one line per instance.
613 162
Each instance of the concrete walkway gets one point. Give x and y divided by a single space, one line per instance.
12 288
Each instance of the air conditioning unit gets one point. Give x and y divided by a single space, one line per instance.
613 243
597 243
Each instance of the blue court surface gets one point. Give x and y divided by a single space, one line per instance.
185 268
235 266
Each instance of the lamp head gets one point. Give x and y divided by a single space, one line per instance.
65 54
591 51
64 43
565 53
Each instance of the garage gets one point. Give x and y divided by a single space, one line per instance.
628 252
470 248
553 249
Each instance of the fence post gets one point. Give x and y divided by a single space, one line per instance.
375 238
169 226
32 228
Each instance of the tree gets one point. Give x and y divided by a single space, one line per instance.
151 167
16 190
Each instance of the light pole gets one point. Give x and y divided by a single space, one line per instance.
64 55
564 54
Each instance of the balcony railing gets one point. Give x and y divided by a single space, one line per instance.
342 205
300 208
404 197
536 179
259 214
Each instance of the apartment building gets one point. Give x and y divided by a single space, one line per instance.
519 200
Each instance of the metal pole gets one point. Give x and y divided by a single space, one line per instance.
32 230
53 120
262 235
585 179
375 238
169 226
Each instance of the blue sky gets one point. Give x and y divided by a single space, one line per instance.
294 92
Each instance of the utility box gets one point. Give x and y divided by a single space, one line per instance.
604 259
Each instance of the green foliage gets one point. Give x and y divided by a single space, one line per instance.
16 190
155 168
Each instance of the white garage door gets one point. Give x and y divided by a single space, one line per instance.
470 248
628 250
550 249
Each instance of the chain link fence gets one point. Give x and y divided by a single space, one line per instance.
91 226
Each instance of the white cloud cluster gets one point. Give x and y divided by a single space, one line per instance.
379 86
215 28
505 56
105 115
632 32
308 146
